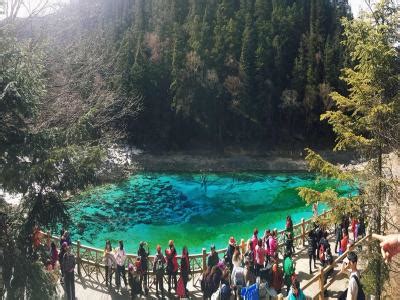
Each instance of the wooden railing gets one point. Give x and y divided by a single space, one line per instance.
90 260
320 277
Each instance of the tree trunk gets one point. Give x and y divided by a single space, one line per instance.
378 279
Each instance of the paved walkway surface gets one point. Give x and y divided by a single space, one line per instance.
88 289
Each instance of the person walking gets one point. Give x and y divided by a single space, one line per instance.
108 259
69 266
158 269
120 257
172 265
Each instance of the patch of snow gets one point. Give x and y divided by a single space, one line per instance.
122 155
13 199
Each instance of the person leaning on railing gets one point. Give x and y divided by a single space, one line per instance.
108 259
120 257
143 266
212 259
172 265
158 269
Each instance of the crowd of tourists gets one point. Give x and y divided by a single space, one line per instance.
245 267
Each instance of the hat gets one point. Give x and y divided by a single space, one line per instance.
130 267
170 243
212 247
232 241
64 245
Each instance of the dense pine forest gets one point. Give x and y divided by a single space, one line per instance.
195 73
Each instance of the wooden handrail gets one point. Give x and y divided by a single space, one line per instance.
82 251
321 275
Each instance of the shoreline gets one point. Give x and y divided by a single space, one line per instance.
288 161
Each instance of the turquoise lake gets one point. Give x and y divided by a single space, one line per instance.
193 209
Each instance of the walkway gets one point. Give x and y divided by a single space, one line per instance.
87 289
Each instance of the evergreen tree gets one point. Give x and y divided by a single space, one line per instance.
366 121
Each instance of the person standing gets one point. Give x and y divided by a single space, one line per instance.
344 242
172 265
288 270
338 236
254 239
143 256
108 262
185 268
69 266
212 259
36 237
295 292
259 258
354 289
312 246
276 277
237 258
60 259
273 244
53 254
289 226
134 281
120 257
158 269
229 252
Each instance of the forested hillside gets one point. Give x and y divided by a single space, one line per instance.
177 73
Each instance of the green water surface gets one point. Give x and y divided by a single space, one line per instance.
193 209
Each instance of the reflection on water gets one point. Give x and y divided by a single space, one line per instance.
194 209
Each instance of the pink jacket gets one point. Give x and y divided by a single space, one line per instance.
273 245
260 255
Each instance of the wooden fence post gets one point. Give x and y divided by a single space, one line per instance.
321 284
78 256
204 253
303 231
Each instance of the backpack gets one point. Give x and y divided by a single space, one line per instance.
238 276
68 262
159 266
360 293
